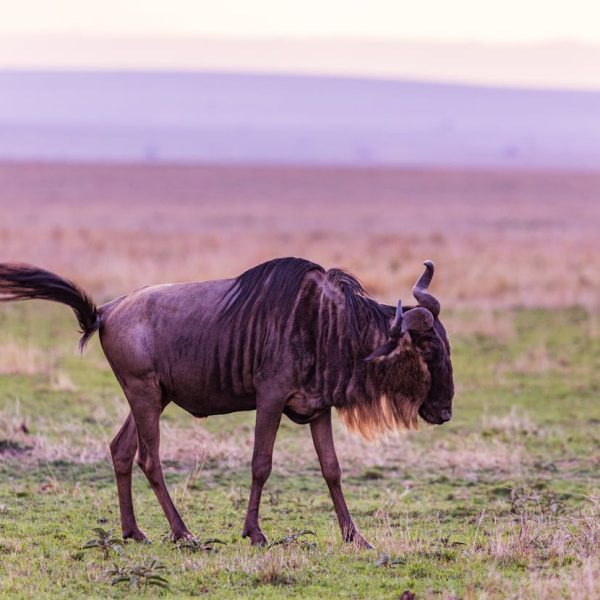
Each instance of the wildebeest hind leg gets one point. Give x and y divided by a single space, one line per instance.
265 431
322 436
122 449
146 405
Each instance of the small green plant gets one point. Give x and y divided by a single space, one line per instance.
140 576
105 541
293 539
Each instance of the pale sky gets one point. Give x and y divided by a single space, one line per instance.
459 20
525 43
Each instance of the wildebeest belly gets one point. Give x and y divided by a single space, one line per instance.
201 386
203 403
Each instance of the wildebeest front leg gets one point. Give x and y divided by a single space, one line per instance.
123 449
322 436
265 431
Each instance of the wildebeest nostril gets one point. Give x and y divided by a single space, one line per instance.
446 415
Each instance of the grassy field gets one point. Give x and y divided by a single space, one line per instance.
501 503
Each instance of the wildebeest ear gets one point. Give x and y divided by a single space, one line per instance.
417 319
383 351
396 330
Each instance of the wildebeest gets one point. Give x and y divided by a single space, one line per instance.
285 338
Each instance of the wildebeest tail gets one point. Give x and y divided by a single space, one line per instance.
26 282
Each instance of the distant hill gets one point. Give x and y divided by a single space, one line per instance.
150 116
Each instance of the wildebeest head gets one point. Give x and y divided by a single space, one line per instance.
418 333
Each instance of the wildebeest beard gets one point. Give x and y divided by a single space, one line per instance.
319 327
396 388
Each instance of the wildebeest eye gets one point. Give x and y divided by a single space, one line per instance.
431 353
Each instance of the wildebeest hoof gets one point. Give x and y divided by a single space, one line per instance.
361 543
182 535
136 535
257 537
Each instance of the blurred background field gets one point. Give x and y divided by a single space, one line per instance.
500 238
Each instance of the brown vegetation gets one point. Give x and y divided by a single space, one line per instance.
499 238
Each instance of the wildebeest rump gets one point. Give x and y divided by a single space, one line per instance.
286 337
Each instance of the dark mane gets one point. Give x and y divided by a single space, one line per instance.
275 282
270 289
360 309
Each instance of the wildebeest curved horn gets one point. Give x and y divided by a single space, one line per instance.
420 290
396 330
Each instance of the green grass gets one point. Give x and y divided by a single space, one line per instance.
501 502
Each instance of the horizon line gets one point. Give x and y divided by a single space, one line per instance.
296 74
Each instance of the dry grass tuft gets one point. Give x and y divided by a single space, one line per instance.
61 382
14 431
484 321
61 440
194 444
578 582
463 456
20 359
277 566
536 360
193 447
513 423
536 539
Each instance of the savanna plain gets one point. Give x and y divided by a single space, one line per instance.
502 502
